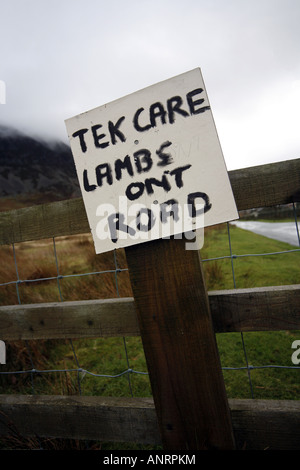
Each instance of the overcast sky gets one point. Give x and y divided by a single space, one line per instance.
59 58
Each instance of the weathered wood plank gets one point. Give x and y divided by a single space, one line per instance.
256 309
77 319
266 424
266 185
77 417
43 221
257 424
180 346
259 186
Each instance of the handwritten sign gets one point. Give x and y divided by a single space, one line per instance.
150 164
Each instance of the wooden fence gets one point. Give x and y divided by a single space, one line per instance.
183 413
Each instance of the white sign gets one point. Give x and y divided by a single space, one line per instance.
150 164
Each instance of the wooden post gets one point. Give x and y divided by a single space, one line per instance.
180 346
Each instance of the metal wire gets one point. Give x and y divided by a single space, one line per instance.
249 367
78 370
242 336
81 372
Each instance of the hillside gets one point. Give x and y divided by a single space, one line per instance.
34 171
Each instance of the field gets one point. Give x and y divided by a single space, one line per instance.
75 255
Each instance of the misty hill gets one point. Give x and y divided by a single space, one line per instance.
35 168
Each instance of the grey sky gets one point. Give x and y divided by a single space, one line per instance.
59 58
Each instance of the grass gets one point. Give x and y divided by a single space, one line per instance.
76 255
262 348
249 271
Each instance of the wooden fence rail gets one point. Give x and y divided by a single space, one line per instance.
257 309
259 186
256 424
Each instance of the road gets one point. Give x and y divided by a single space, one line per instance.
282 231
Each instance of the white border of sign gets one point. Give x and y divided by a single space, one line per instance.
150 164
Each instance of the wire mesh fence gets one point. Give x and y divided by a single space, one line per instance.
66 268
91 285
232 256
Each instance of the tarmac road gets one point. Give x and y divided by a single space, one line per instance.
282 231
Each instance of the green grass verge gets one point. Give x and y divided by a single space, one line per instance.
108 356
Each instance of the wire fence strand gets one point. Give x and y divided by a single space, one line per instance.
116 271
